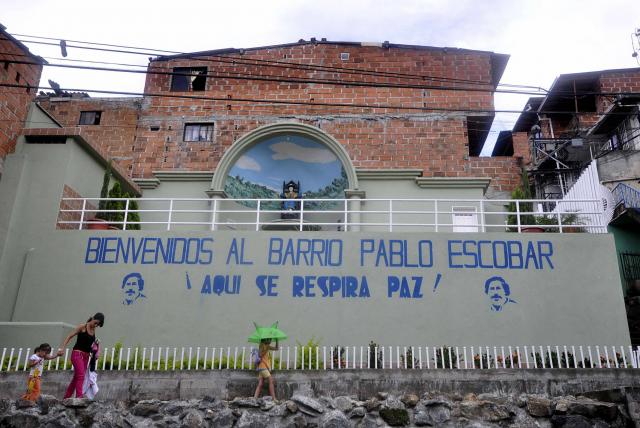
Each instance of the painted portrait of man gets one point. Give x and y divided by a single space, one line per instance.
132 287
498 291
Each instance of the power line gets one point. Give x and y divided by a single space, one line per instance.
228 100
249 76
95 43
293 80
271 63
245 76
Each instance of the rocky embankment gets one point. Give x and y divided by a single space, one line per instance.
613 408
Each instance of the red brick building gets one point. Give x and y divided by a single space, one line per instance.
18 87
417 108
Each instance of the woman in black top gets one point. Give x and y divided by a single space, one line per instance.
86 335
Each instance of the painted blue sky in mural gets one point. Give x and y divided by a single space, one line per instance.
288 157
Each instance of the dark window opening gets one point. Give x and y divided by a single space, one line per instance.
198 132
17 77
477 132
90 117
189 79
6 65
45 139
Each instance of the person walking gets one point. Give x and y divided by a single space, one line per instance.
264 367
36 363
86 336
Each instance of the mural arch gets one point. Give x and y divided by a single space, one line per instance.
266 157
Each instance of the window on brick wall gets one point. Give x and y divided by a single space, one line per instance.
90 117
189 79
198 132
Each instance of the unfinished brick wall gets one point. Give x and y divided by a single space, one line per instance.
14 101
435 141
626 81
521 147
115 135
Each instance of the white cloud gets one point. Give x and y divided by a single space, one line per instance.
286 150
247 162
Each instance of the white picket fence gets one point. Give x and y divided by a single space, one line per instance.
347 357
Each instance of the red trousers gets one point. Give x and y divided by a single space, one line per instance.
79 360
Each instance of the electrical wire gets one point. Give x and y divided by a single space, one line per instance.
249 76
272 63
95 43
228 101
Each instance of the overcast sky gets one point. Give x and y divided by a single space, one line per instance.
545 38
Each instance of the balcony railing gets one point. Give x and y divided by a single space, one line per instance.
626 195
392 215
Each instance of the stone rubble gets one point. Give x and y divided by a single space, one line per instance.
428 409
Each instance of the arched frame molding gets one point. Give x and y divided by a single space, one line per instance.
232 155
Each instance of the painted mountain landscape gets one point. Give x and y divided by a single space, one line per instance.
262 170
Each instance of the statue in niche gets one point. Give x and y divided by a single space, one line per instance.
291 191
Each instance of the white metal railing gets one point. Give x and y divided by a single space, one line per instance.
428 215
314 357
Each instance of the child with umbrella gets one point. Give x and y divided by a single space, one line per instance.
264 336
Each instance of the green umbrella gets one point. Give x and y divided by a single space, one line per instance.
273 333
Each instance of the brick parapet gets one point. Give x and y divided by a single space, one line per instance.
623 81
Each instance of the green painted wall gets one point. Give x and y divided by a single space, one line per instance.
579 301
626 240
45 276
31 188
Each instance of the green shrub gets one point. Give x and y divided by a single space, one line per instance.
375 357
133 216
447 355
311 347
407 356
523 191
104 191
